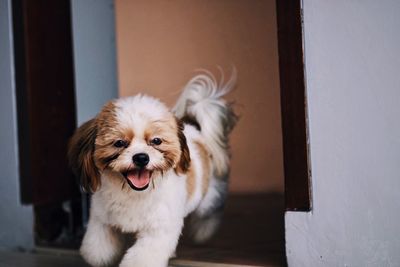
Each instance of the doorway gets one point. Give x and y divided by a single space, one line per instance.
178 37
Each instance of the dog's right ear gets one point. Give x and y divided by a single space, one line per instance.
80 156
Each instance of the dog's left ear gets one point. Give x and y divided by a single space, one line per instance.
184 161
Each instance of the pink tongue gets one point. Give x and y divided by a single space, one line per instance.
139 178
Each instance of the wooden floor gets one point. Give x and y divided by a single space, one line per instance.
40 259
252 234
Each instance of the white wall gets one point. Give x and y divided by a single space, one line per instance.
16 221
353 86
93 24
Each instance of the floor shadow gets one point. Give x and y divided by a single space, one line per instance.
252 232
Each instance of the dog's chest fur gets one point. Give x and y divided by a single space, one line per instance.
132 211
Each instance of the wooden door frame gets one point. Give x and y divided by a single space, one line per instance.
293 106
45 94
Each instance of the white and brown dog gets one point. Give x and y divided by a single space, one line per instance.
149 167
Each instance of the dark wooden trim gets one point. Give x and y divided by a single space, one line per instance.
22 100
45 98
293 105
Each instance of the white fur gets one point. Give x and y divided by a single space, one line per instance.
202 99
193 135
156 215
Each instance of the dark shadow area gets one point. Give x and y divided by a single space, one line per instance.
252 233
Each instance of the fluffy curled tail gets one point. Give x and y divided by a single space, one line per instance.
201 100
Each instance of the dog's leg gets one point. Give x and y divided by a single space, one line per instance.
153 248
101 245
205 220
203 228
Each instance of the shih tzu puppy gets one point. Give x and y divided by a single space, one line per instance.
149 167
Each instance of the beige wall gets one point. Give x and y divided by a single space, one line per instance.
160 45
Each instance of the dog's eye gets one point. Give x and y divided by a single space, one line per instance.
121 143
156 141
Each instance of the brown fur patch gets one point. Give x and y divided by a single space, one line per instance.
190 182
109 131
165 129
184 162
109 128
158 128
205 162
80 156
192 121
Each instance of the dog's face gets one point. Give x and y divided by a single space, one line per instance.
136 139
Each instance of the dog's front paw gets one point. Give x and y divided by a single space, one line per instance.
154 247
146 259
98 257
101 245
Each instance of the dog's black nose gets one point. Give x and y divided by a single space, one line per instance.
141 159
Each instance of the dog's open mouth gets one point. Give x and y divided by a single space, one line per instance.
138 179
